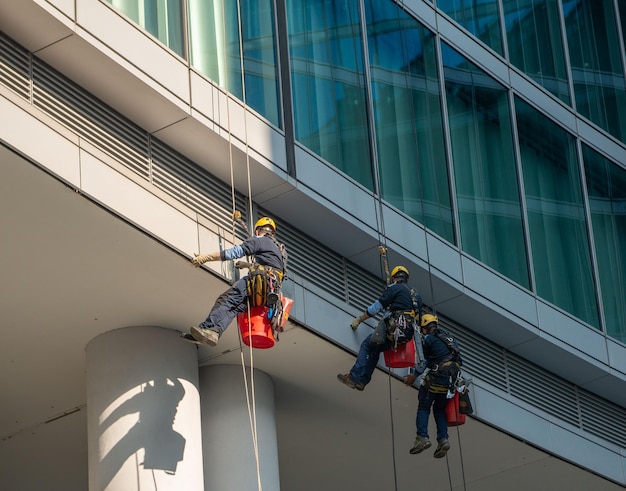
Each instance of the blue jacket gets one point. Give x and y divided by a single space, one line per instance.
396 296
264 248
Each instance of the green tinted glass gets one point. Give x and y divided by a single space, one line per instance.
407 116
596 60
606 188
161 18
485 172
535 43
556 215
480 17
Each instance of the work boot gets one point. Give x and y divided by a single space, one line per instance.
345 379
421 444
189 338
205 336
442 448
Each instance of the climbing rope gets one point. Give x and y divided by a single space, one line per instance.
420 183
380 230
250 391
251 404
378 212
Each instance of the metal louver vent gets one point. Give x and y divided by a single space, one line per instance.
542 389
90 118
182 179
311 260
363 287
602 418
14 67
481 357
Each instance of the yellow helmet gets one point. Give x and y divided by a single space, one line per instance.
399 270
265 222
428 319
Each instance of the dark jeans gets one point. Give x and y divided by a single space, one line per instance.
227 306
367 359
438 402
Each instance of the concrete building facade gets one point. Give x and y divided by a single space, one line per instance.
483 146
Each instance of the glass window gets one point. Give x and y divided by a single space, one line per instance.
259 58
206 40
407 117
217 42
595 56
161 18
485 172
622 15
328 83
214 42
606 188
533 30
480 17
556 216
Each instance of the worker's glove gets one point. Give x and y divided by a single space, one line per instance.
410 379
357 320
200 259
421 379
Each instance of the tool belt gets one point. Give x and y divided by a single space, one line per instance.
400 326
263 285
442 377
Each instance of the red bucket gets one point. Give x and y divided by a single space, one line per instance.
402 357
258 330
453 415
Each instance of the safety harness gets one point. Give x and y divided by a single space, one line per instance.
264 282
263 287
401 324
442 377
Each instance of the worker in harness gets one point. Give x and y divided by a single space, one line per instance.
402 308
261 285
443 366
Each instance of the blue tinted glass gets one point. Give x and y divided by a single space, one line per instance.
259 58
220 32
328 83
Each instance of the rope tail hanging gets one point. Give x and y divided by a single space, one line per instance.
385 262
252 409
380 225
402 11
237 218
251 402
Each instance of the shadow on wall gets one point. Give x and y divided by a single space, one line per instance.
163 447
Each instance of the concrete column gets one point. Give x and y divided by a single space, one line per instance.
143 412
227 435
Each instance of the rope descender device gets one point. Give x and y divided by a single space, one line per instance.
383 254
237 217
